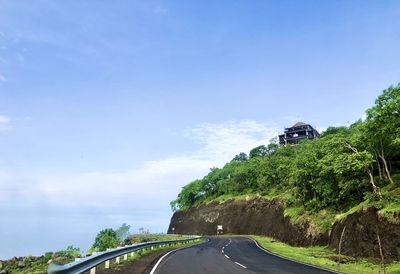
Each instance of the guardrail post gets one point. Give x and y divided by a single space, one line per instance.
90 263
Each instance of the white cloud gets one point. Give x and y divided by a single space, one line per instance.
159 179
4 121
148 188
220 142
2 78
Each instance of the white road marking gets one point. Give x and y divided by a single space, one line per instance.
222 251
224 255
159 261
240 265
153 270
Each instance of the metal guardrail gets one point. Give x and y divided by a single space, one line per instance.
90 263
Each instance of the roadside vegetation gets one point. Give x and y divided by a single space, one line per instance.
106 238
325 257
126 266
38 265
142 238
110 238
319 180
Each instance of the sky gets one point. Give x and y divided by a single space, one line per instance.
108 108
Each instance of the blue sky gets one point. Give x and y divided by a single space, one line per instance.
107 108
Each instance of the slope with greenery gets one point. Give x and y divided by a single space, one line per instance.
345 167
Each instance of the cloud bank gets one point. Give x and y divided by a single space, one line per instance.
159 180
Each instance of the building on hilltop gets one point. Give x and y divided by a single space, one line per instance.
297 132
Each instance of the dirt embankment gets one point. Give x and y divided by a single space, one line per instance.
261 217
257 216
360 238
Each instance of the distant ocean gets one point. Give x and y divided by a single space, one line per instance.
34 231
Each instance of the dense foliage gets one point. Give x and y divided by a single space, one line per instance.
107 238
110 238
342 168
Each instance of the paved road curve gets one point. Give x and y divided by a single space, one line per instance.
233 255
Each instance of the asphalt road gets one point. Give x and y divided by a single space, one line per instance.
233 255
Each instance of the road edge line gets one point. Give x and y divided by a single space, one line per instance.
240 265
289 259
168 253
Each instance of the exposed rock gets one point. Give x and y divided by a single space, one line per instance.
257 216
360 238
261 217
21 264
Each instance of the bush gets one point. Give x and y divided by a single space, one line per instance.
107 238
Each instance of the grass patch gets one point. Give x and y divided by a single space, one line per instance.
388 206
272 194
324 257
352 210
320 222
230 197
142 238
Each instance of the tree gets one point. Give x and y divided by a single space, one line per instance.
336 170
334 130
123 232
107 238
272 148
259 151
241 157
357 161
383 126
189 195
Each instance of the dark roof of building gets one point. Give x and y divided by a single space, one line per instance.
299 124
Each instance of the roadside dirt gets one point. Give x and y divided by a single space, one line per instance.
360 238
257 216
260 217
140 266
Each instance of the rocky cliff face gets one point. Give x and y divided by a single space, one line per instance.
360 238
256 216
261 217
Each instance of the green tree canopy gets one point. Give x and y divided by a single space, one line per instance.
339 169
106 238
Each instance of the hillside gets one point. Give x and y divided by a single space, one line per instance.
320 183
